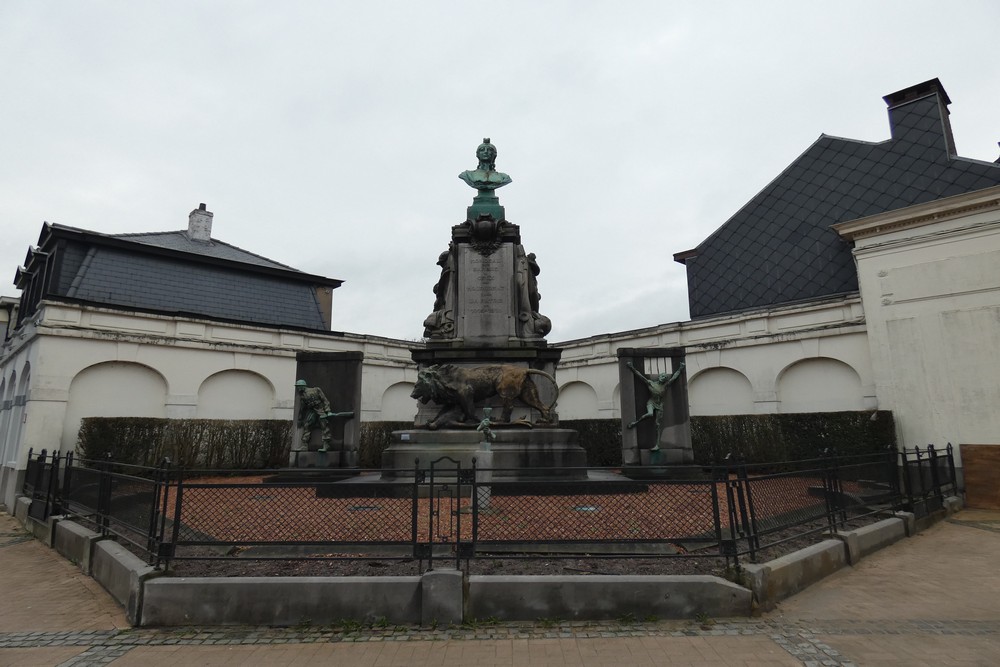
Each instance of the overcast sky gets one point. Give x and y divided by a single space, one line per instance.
329 135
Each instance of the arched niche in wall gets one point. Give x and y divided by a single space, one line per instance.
235 394
113 389
397 405
577 400
819 385
17 412
720 391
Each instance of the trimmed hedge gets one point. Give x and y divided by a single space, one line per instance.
375 438
253 444
754 438
191 443
600 438
789 437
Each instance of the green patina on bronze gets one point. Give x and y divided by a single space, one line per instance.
657 397
314 410
485 179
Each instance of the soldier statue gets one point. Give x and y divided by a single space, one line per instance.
314 411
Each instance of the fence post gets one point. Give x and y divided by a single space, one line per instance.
178 500
718 475
154 512
893 473
52 493
935 477
67 480
414 515
36 483
951 468
748 519
475 506
730 547
104 495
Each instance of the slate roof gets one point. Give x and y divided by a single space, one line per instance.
164 273
779 247
180 241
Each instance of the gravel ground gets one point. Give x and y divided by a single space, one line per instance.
240 563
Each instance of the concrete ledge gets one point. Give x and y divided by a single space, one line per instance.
953 505
603 597
441 593
122 573
279 600
776 580
75 543
909 522
869 539
21 506
42 530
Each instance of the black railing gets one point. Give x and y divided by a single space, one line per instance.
444 511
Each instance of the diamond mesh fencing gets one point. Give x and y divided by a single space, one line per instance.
727 510
655 511
252 512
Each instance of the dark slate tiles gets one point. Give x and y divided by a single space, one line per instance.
781 248
118 278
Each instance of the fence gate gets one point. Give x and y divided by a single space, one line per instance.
443 511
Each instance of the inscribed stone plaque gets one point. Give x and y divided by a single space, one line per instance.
486 294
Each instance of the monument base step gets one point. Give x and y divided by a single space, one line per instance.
515 453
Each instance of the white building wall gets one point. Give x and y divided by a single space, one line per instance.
930 281
753 362
78 361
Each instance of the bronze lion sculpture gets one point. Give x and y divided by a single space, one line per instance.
457 390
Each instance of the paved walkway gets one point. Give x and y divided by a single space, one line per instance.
933 599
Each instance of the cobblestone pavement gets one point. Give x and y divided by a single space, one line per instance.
935 603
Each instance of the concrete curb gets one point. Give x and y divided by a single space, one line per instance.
21 505
280 600
447 596
869 539
123 574
596 597
780 578
75 543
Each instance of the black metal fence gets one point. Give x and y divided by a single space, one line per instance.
443 510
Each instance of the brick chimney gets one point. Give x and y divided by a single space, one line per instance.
919 114
200 224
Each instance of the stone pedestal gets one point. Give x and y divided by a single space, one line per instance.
527 453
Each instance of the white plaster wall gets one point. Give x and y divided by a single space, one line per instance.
112 389
930 281
820 385
89 361
397 404
577 400
735 363
720 391
235 394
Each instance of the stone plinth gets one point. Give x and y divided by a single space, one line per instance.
541 452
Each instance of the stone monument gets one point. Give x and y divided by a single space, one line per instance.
327 410
656 426
485 348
